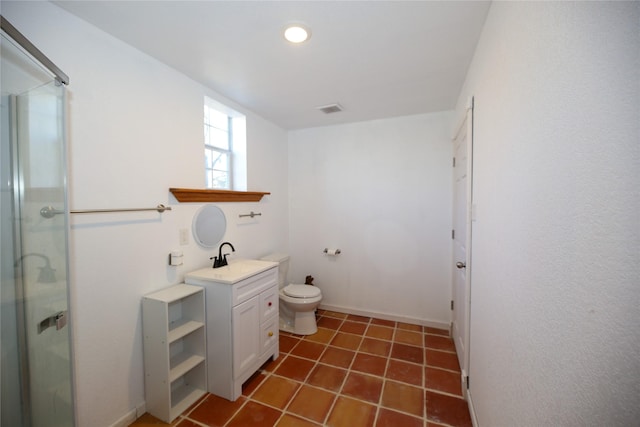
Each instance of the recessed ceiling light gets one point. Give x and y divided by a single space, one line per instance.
297 33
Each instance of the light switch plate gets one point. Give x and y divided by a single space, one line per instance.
184 236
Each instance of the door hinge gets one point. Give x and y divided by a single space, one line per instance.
467 382
451 304
454 162
453 234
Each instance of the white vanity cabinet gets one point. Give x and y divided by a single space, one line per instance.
242 324
173 322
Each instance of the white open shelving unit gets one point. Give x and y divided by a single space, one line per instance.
173 322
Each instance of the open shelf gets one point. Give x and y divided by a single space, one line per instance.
180 329
194 195
183 363
185 396
186 390
174 330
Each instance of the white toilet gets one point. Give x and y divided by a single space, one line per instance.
298 303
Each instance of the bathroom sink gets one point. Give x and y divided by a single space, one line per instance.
234 272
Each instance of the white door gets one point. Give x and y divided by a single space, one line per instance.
462 240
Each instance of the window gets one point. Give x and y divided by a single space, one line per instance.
218 149
224 147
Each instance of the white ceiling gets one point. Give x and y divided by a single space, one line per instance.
376 58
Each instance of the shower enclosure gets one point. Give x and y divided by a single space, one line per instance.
36 367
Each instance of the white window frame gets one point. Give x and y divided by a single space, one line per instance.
220 151
237 153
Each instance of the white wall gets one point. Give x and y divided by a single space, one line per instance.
381 192
555 325
135 129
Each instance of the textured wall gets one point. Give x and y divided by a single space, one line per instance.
135 129
381 192
555 325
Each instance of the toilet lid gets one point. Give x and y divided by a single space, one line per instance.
301 291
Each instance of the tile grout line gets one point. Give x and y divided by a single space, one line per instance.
339 393
378 405
284 411
384 380
349 371
344 380
317 362
388 358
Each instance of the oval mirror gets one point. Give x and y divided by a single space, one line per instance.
209 225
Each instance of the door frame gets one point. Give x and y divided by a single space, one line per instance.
465 122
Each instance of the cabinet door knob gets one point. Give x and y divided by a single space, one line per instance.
270 334
270 303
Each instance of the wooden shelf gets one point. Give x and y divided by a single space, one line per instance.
191 195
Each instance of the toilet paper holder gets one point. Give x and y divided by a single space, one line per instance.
332 251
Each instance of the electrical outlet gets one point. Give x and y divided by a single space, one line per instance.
184 236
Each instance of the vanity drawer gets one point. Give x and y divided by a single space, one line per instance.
269 303
269 335
252 286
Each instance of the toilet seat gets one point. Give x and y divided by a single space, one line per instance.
301 291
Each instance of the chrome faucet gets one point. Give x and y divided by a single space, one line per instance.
221 260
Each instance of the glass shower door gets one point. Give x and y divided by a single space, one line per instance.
36 369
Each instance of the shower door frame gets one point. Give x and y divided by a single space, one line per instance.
26 336
24 42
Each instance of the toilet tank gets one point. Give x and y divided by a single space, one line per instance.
283 267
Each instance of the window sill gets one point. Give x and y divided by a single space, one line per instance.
192 195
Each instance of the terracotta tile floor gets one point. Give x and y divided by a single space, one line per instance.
355 372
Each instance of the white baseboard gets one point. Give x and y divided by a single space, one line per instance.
126 419
386 316
472 412
130 416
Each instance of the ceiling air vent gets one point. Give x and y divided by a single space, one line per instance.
331 108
